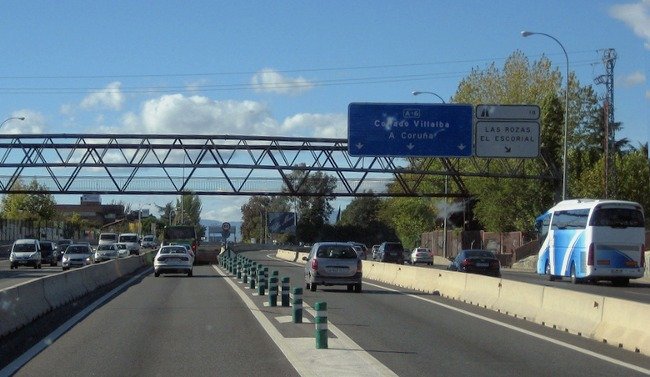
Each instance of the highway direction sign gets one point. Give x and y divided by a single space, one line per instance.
507 112
410 130
507 139
510 131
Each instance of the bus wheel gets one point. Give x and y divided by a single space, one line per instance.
548 272
574 278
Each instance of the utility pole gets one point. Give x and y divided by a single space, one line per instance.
609 59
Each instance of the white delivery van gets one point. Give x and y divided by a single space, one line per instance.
107 238
132 241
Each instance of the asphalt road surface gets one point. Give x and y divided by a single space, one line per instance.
211 325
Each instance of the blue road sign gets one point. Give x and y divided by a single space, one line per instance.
410 130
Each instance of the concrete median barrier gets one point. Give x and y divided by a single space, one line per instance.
519 299
481 290
404 276
624 325
287 255
425 280
575 312
451 284
12 316
54 294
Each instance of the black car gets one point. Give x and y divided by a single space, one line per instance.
61 246
476 261
391 252
49 253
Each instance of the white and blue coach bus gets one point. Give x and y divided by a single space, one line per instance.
590 240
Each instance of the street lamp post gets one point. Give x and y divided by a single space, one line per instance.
566 110
444 221
11 118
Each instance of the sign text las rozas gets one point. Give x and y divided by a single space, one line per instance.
409 130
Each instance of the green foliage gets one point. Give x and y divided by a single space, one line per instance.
410 217
188 212
28 205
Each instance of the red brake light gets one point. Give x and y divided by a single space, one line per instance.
466 262
314 264
590 255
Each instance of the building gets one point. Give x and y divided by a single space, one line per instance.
91 209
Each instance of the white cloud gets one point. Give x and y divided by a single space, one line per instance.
316 125
110 97
180 114
633 79
34 123
269 80
636 16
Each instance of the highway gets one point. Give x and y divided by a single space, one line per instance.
211 325
638 290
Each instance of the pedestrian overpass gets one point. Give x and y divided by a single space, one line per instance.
156 164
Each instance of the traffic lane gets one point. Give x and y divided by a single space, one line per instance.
637 291
23 274
170 325
409 335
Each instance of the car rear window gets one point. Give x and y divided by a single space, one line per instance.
336 252
479 254
393 246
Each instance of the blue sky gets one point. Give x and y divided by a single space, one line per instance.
287 67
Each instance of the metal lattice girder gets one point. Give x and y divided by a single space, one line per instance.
226 165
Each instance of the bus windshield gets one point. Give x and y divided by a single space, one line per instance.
617 218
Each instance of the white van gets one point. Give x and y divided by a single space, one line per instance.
132 241
107 238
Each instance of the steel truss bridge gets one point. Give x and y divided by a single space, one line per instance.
151 164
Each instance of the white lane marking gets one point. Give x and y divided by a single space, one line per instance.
23 359
336 361
523 331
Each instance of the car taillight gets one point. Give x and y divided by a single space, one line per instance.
466 262
359 266
314 264
590 255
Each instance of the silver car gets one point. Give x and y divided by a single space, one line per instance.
77 255
172 259
106 252
333 263
421 255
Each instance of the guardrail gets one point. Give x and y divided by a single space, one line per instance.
609 320
23 303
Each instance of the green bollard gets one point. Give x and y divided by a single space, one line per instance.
273 291
296 303
321 325
285 291
251 283
260 283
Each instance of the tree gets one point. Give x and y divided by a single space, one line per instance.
311 200
410 217
361 210
511 204
28 206
166 213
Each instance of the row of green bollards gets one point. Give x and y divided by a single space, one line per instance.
255 274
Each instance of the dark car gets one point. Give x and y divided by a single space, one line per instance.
49 253
61 245
391 252
476 261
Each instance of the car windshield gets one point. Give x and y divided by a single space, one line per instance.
336 252
479 254
129 238
77 250
24 248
